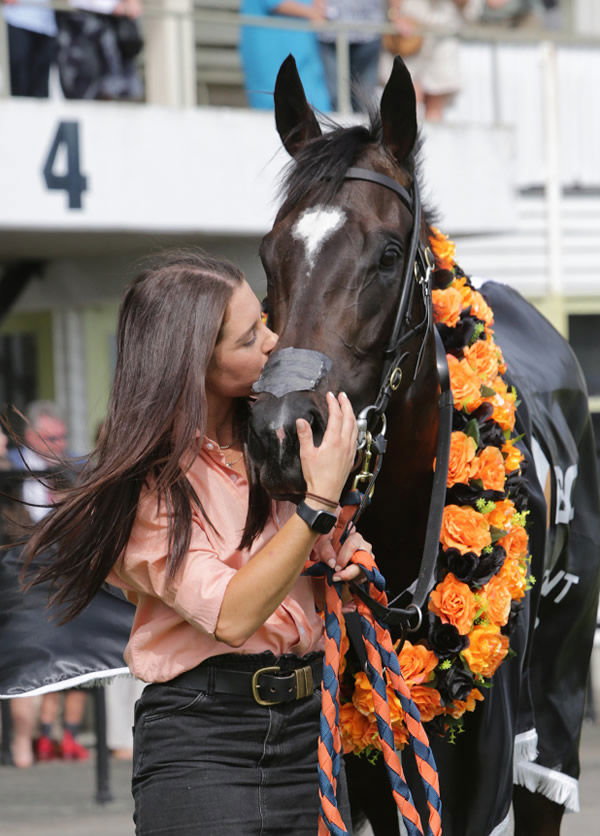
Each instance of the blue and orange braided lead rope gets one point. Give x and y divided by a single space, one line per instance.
381 660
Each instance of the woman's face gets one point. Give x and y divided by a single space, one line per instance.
243 349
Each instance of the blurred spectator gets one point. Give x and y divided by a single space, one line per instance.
365 49
435 67
97 47
13 522
31 46
45 451
523 12
264 50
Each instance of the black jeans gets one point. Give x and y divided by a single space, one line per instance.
30 56
222 765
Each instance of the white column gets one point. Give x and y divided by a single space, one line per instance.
553 186
170 53
69 376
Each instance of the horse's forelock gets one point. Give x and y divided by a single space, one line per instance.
320 166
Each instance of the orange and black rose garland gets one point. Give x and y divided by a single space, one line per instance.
483 562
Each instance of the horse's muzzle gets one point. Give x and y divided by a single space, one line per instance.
273 441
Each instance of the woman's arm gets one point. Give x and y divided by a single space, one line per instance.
292 8
260 586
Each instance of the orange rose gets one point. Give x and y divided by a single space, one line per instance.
515 543
502 514
462 451
447 305
514 575
465 384
428 701
513 456
417 663
486 650
357 731
489 467
503 405
362 698
479 307
443 249
484 357
454 603
464 529
458 708
495 599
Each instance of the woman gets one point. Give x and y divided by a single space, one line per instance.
264 49
222 745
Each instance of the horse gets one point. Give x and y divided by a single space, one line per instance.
349 291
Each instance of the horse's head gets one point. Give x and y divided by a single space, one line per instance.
339 270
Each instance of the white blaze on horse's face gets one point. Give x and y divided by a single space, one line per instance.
314 227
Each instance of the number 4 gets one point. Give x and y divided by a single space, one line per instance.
73 182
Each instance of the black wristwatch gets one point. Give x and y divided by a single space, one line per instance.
320 521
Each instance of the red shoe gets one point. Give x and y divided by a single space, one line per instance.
45 749
71 749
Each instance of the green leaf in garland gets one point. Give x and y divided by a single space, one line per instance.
477 332
472 430
487 391
497 533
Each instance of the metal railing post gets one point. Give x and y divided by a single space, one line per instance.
4 60
170 57
552 185
343 72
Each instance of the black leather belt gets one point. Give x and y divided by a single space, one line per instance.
269 685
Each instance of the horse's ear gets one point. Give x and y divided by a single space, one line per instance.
399 112
295 120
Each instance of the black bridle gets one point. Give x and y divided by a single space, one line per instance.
418 267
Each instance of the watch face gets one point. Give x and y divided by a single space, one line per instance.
320 521
324 522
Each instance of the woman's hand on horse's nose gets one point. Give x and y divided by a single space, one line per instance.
326 467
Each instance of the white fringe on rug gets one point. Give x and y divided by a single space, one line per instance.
84 680
525 747
558 787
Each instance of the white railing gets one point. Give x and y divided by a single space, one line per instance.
170 53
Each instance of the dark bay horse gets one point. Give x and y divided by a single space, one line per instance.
349 292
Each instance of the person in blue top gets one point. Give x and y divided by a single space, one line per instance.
264 49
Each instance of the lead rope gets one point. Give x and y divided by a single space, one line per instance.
381 659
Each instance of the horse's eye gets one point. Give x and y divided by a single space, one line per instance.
389 257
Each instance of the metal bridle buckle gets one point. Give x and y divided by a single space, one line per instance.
419 613
255 685
395 378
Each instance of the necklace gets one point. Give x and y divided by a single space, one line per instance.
225 446
235 461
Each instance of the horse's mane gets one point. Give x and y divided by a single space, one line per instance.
320 165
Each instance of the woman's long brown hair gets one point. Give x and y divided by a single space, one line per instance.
169 324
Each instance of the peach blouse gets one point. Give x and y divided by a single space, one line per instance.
174 624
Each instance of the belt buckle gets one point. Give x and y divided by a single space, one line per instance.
257 698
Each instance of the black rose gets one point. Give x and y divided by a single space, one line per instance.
442 278
444 639
462 566
461 494
488 565
454 684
